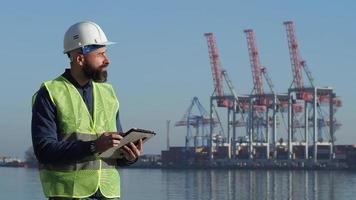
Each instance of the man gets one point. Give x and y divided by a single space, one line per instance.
75 117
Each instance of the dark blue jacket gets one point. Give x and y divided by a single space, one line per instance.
44 127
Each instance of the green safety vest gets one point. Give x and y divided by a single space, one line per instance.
82 178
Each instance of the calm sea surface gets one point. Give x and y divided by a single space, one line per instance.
156 184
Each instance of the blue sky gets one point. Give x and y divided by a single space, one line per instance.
161 60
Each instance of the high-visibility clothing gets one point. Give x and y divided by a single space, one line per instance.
82 178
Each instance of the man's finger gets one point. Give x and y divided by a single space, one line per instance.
115 142
130 153
134 149
116 136
139 146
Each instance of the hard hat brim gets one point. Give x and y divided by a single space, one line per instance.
108 43
102 43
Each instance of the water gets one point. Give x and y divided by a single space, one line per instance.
156 184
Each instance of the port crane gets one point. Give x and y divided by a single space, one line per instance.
200 122
263 103
309 99
235 104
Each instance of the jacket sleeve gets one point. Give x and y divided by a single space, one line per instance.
118 123
122 161
44 128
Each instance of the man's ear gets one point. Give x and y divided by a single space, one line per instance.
79 59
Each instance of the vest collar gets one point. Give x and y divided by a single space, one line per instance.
71 79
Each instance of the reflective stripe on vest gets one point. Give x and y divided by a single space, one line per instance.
83 178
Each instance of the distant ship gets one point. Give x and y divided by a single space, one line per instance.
11 162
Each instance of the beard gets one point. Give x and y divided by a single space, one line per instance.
98 75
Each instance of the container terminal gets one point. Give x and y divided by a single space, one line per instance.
263 129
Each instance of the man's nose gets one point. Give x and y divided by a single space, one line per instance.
106 59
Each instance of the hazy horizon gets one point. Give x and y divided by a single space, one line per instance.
160 61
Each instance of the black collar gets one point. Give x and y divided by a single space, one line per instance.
71 79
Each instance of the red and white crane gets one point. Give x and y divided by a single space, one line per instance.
230 101
219 75
216 69
255 62
258 72
298 64
263 101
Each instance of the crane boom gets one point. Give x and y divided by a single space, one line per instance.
255 62
215 64
295 58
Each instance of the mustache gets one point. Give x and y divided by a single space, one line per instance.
104 66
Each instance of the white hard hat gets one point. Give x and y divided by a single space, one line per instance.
82 34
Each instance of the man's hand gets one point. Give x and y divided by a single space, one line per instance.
132 151
107 140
